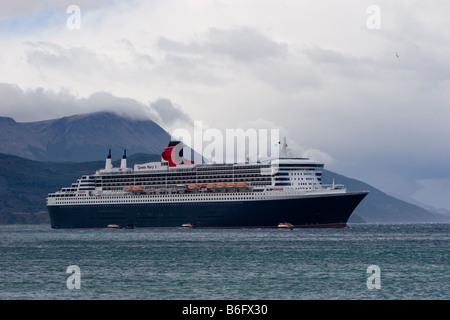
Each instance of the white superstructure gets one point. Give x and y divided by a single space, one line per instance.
158 182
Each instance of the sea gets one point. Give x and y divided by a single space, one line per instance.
359 262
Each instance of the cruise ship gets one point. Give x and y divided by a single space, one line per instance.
176 194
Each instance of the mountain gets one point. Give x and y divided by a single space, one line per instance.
380 207
85 137
24 185
16 138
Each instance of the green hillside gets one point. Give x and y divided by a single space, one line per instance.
24 184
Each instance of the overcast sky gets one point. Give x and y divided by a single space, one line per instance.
361 85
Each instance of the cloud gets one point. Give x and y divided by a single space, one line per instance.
27 8
266 130
244 44
320 55
241 51
134 52
82 62
31 105
40 104
318 155
85 69
189 70
168 113
66 60
218 56
287 76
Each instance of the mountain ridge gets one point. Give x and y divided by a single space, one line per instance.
83 137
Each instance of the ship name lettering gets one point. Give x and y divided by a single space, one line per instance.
146 167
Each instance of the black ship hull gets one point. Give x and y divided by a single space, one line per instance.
329 211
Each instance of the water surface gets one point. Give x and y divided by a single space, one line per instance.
226 264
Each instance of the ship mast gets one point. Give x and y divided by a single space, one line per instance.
284 149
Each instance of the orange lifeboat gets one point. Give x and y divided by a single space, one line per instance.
114 226
286 225
187 225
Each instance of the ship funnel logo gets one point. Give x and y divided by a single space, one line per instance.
173 154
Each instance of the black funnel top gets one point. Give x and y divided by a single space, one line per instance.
173 143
